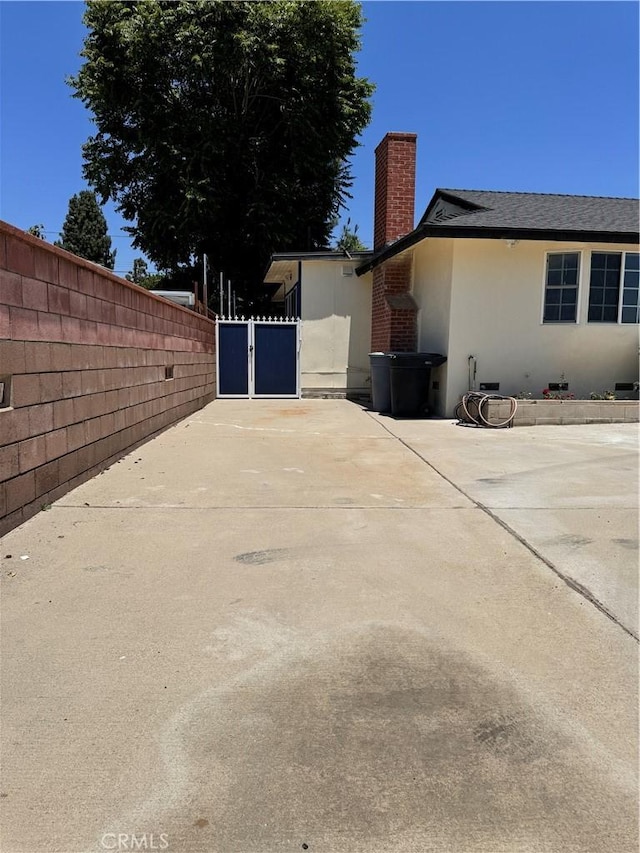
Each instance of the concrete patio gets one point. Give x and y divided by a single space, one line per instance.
288 625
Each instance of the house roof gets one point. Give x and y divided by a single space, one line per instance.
529 216
283 265
321 255
536 210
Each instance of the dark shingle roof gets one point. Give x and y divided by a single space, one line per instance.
527 216
488 209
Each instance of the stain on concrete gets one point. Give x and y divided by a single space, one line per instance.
506 736
247 636
631 544
569 540
100 569
260 558
292 413
379 739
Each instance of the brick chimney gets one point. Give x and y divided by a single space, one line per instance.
395 188
393 308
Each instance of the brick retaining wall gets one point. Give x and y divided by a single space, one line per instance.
95 366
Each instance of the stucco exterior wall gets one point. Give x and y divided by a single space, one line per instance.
495 315
336 326
432 277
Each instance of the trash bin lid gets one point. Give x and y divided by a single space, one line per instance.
417 359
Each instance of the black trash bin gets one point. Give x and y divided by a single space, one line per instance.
409 374
380 387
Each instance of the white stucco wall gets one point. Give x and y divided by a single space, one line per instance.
336 326
432 272
495 314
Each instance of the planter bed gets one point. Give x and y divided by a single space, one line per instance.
532 412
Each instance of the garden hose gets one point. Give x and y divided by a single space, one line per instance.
472 410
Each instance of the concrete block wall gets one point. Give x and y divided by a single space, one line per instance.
92 366
538 412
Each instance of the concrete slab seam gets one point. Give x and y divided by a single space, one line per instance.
253 508
570 582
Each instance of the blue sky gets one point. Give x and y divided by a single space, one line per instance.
539 97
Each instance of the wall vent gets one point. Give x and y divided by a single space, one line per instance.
489 386
558 386
624 386
168 371
5 392
347 270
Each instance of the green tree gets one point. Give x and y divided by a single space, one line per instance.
140 275
37 231
224 128
348 240
84 231
139 272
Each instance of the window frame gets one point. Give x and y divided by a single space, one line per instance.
623 253
618 255
621 297
545 271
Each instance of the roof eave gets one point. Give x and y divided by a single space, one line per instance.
328 255
393 249
335 255
496 233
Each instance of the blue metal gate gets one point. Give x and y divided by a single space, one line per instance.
258 357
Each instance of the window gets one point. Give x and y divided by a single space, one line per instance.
630 313
604 287
561 288
614 275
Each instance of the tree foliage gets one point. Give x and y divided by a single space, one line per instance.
140 275
223 127
348 240
84 231
37 231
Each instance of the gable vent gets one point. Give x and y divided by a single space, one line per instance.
347 270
